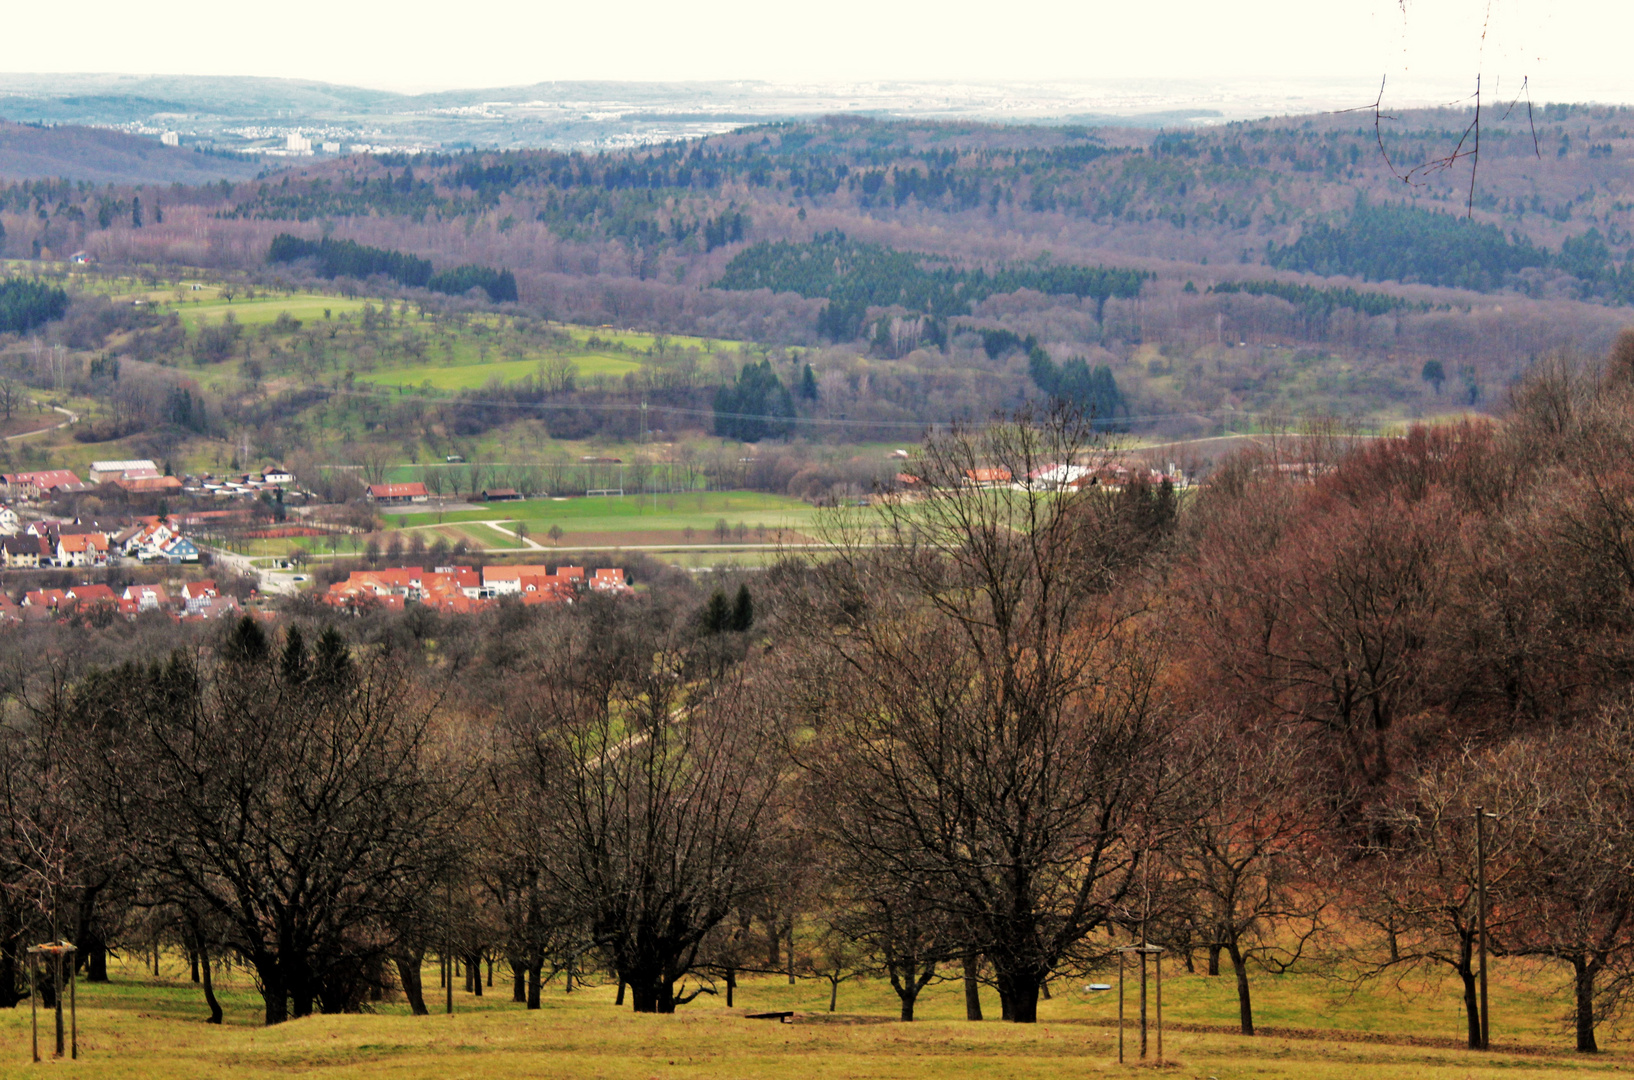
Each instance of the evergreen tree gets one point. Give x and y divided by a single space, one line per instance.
246 643
1075 383
758 406
25 304
332 660
743 610
717 614
1434 373
136 213
808 384
294 667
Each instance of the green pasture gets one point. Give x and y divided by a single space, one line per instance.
639 341
1313 1027
472 375
631 513
307 307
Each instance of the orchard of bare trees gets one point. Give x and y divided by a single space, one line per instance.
993 733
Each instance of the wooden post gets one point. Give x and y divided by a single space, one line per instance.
1480 907
73 1012
1121 965
1143 1002
1157 960
33 1006
56 981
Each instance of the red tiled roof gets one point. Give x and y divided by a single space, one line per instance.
398 491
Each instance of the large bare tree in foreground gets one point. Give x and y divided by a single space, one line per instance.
992 736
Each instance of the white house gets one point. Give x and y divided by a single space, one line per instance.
120 470
147 541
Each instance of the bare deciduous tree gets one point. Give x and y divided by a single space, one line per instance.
994 726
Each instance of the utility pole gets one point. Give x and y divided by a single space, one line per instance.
1480 915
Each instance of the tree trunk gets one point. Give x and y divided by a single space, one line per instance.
9 976
298 978
643 996
1472 1000
274 992
46 986
908 995
534 968
1018 992
620 999
1583 974
96 960
731 985
193 962
1245 1002
1214 958
973 988
833 994
519 992
408 973
202 959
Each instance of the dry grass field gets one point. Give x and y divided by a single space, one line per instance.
138 1028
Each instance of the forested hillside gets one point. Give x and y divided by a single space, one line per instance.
1277 266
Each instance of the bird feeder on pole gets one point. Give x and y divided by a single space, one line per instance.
54 953
1155 952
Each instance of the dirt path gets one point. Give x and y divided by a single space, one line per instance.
73 418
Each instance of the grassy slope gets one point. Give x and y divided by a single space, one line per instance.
263 309
137 1028
469 376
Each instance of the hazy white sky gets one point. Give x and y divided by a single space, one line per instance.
416 45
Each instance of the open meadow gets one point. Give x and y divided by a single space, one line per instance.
692 517
138 1027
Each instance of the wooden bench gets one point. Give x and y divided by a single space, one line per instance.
785 1017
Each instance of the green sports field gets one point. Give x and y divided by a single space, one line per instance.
700 511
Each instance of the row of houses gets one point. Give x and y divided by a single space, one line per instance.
463 589
194 601
1055 477
140 476
238 485
40 544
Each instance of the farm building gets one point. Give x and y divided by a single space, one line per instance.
398 494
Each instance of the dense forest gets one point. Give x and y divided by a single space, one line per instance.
1196 279
25 304
854 277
